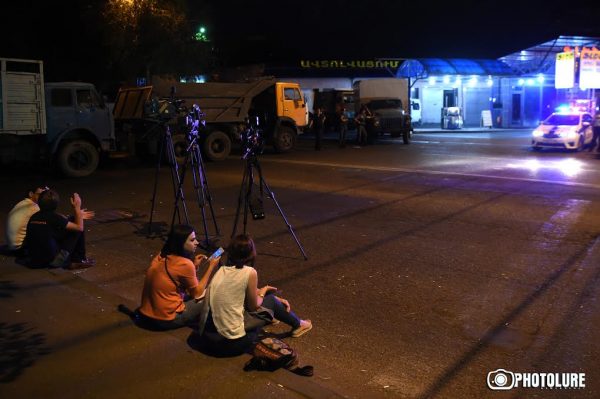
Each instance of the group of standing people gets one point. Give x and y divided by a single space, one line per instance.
224 304
41 237
342 120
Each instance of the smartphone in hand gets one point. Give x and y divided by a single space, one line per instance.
217 253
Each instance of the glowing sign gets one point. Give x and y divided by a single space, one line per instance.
589 72
565 70
350 63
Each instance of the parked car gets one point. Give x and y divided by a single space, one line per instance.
565 130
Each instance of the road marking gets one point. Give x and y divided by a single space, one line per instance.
432 172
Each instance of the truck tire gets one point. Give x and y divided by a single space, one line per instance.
285 139
217 146
78 158
180 144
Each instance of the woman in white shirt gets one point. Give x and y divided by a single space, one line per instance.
233 300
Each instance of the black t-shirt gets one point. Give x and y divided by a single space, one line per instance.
44 231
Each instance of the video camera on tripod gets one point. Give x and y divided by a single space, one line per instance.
193 120
165 109
252 138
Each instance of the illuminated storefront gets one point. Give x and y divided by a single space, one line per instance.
518 90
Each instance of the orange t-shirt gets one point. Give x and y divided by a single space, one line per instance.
161 299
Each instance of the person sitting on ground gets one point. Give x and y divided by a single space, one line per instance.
18 217
171 277
231 314
53 240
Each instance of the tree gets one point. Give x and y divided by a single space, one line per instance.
148 37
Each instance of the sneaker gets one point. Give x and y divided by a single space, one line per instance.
82 264
305 326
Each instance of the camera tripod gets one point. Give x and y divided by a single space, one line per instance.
193 159
254 204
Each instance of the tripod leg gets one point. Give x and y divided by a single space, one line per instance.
272 196
206 191
156 174
198 187
248 196
178 181
241 199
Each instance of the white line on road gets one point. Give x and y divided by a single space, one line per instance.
432 172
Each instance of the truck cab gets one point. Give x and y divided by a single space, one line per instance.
67 123
291 104
80 126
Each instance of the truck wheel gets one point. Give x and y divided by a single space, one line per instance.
78 158
217 146
285 140
180 144
407 136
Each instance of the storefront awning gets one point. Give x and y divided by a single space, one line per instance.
424 67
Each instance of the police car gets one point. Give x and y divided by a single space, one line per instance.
566 130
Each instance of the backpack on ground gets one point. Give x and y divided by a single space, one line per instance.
270 354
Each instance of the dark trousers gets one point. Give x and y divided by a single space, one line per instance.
318 138
343 132
361 135
74 243
594 143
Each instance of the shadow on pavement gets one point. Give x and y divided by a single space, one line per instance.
20 346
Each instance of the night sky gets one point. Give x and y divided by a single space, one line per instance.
283 32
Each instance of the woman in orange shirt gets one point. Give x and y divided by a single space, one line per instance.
172 295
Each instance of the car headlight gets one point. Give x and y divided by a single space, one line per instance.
571 134
538 133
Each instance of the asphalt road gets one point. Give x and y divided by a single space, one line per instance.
430 265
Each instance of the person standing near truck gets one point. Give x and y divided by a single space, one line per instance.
361 125
343 124
319 127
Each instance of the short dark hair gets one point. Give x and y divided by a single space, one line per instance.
241 251
43 187
177 238
48 200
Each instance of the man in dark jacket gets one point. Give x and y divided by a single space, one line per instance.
52 240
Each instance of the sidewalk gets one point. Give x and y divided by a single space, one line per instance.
468 130
62 337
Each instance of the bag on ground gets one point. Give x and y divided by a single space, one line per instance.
270 354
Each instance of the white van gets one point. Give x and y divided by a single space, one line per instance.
415 111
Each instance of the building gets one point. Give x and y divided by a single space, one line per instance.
518 90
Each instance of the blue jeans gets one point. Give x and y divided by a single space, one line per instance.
279 311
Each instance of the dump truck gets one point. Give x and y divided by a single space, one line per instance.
387 99
279 106
67 124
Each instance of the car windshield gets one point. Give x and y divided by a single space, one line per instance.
562 119
383 104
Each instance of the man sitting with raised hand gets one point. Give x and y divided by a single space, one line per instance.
52 240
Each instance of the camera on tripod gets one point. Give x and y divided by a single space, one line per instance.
165 109
193 120
252 138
